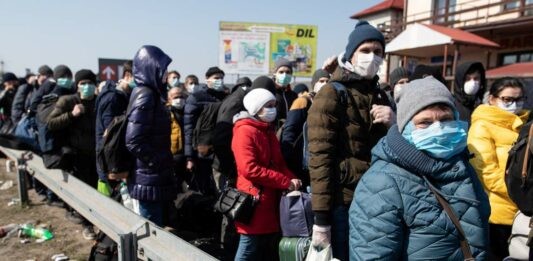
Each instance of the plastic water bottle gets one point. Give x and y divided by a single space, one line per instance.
39 233
125 195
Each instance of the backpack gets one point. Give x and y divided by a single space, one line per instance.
104 248
519 170
343 98
203 133
113 156
46 138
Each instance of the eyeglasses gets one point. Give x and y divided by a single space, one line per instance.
509 99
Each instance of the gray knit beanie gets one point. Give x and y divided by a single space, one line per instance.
419 94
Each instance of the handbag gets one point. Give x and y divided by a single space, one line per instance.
518 248
236 205
296 214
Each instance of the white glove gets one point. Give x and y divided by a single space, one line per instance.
321 236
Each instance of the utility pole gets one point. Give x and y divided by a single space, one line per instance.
2 67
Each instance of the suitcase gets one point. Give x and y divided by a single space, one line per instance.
293 248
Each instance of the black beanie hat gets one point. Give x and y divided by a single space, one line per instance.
243 81
213 70
45 70
8 76
300 87
398 74
265 83
362 32
317 75
85 74
62 71
280 62
421 71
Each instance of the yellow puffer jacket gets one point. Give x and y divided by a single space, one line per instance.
176 141
490 138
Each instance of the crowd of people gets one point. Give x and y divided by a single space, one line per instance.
377 158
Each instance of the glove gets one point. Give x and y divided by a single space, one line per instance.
321 236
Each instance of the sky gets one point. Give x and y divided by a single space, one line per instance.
77 33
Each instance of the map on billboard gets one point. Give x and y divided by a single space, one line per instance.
253 48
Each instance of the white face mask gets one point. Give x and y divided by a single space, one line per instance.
318 86
191 88
178 103
268 115
471 87
367 65
513 108
397 89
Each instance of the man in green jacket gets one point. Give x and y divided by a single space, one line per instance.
342 130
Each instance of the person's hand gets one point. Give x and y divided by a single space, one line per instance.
330 64
321 236
78 110
295 184
190 165
383 114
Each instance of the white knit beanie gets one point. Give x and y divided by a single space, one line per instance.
256 99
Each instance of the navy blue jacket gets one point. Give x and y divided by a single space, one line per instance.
193 108
148 130
109 104
21 102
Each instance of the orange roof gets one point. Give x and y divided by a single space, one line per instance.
513 70
462 36
385 5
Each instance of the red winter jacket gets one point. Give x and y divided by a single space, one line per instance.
260 165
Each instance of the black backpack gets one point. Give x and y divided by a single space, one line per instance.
519 170
104 248
113 156
203 133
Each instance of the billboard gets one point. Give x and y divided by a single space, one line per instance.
253 48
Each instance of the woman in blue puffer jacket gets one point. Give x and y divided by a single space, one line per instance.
147 136
395 215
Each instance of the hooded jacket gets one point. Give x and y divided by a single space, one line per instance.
396 217
21 102
464 103
491 136
148 130
193 108
260 167
340 140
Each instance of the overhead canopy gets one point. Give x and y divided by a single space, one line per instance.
519 70
421 40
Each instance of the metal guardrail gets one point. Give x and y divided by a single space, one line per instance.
137 237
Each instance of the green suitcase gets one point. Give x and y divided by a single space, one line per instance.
293 248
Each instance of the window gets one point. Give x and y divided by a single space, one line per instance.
529 4
443 7
521 57
511 5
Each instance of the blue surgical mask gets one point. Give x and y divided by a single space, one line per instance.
283 79
441 140
268 115
218 85
64 83
132 84
175 82
87 90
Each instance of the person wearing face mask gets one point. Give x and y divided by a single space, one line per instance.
7 96
395 214
22 100
173 79
342 129
175 106
284 95
291 138
262 173
214 91
110 103
397 79
469 88
191 84
494 129
75 115
60 84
